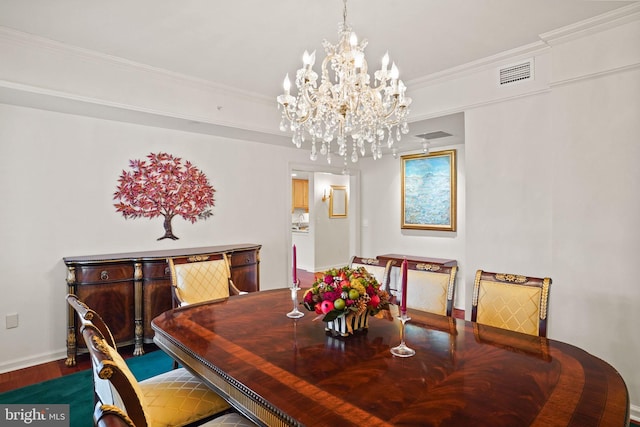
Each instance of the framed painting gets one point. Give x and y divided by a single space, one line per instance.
429 191
338 202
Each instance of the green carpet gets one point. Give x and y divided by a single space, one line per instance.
77 389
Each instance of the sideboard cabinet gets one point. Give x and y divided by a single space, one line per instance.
129 289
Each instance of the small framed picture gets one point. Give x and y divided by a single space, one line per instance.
338 202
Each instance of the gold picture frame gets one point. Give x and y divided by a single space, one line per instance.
338 202
429 191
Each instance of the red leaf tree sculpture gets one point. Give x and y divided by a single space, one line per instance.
164 185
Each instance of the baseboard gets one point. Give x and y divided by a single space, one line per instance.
635 413
27 362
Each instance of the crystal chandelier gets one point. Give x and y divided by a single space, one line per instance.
344 107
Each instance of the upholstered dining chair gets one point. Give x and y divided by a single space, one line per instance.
430 287
378 269
511 301
174 398
200 278
113 416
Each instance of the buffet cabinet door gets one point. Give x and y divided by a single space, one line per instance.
245 270
109 290
156 293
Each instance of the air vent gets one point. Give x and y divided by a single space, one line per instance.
433 135
516 72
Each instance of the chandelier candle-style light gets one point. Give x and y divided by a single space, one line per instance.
344 106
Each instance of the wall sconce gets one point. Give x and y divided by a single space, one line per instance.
326 195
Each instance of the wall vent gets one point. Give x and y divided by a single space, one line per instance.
433 135
516 72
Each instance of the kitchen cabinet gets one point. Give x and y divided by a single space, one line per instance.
130 289
300 194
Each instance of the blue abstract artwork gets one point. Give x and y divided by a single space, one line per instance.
428 191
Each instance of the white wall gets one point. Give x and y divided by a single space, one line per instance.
58 175
596 209
508 169
552 188
381 199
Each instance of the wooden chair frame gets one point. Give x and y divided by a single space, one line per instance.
106 369
111 416
87 314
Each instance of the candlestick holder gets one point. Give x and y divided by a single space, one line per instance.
295 313
402 350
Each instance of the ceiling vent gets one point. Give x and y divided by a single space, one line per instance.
514 73
433 135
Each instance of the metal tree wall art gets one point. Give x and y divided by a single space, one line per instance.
165 186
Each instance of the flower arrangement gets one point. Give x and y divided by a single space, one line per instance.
344 292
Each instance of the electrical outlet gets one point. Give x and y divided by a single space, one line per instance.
12 320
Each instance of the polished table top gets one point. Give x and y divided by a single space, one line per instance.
292 372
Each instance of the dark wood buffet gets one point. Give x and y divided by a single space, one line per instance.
129 289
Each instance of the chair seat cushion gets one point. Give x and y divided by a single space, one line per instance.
229 420
177 398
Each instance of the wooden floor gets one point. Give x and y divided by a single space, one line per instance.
46 371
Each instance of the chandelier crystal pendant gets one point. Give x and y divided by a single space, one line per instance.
345 106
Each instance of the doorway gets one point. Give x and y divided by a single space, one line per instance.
323 241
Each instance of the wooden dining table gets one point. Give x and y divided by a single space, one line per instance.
284 372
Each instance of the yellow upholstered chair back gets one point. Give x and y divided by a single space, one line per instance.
511 301
377 268
430 287
201 278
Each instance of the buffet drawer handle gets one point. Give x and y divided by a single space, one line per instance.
104 275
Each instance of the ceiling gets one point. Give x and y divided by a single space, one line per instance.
250 45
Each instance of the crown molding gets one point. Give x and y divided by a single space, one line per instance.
512 55
26 39
595 75
46 99
593 25
583 28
